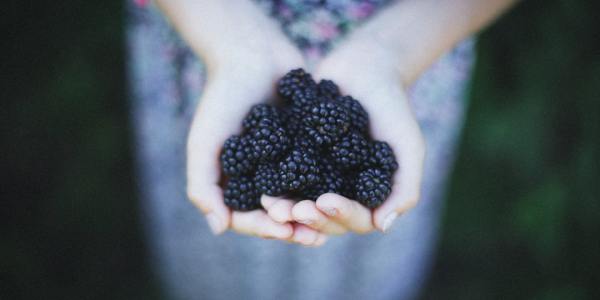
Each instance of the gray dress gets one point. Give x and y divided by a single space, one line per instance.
166 80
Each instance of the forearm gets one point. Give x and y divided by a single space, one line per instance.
419 31
212 27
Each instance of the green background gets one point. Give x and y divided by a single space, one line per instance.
522 217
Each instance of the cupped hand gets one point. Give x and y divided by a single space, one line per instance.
246 77
371 74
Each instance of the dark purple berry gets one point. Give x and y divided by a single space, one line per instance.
372 187
298 169
332 181
381 156
294 81
350 151
359 119
326 122
268 141
261 112
240 194
267 180
236 156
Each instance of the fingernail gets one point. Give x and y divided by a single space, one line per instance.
214 222
330 211
389 219
306 222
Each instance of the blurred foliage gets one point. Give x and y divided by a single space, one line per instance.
522 215
69 215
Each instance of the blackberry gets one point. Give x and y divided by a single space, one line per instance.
303 142
298 169
350 151
236 158
328 89
267 180
332 181
294 81
240 194
372 187
326 122
292 122
359 118
381 156
260 112
301 100
268 140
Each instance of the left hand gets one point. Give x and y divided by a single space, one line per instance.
370 74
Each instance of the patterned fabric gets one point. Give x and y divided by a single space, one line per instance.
166 81
315 25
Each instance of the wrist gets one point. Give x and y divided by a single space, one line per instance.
384 56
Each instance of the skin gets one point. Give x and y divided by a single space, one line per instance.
374 64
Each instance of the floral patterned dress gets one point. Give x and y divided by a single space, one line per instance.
166 81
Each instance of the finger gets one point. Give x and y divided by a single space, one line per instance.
346 212
307 236
266 201
280 210
258 223
307 213
407 181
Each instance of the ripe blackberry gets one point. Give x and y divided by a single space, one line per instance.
359 119
381 156
236 158
302 141
328 89
268 140
302 100
332 181
267 180
298 169
326 122
294 81
240 194
260 112
350 151
292 122
372 187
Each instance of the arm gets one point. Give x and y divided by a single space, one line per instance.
212 27
374 64
417 32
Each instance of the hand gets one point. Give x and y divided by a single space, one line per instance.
370 73
245 76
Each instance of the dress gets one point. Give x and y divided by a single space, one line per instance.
166 80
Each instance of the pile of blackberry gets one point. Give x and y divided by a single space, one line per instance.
317 142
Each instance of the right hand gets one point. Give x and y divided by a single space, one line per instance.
244 76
